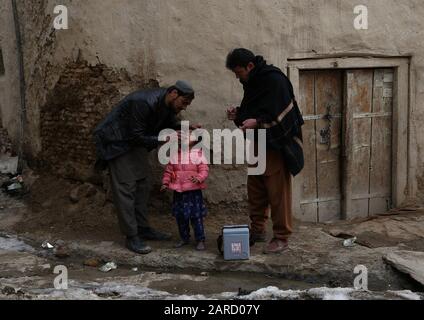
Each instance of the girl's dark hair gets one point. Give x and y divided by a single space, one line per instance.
239 58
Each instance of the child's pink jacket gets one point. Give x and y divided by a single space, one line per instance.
177 176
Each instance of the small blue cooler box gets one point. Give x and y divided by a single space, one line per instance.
236 242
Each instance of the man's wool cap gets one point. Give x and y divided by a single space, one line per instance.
184 86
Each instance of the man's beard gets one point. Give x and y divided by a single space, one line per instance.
174 108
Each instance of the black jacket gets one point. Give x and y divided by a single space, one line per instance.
269 98
135 121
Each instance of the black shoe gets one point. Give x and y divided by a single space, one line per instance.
151 234
135 244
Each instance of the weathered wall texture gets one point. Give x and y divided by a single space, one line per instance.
9 81
75 76
78 102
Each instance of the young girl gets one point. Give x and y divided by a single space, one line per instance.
187 181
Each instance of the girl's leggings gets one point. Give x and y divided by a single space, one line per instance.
184 228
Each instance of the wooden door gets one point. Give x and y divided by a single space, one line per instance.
370 99
321 101
347 143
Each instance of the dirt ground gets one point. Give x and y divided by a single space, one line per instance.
70 210
50 210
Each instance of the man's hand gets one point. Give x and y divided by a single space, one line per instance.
232 114
163 188
249 124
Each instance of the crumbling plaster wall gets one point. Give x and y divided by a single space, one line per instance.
9 81
167 40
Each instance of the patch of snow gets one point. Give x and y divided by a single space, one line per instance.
406 294
272 293
69 294
331 293
186 297
225 296
13 244
114 290
316 293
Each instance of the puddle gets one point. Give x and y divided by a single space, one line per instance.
123 290
226 281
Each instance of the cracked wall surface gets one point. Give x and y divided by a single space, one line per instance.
115 47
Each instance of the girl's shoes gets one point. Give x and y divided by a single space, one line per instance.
201 246
181 244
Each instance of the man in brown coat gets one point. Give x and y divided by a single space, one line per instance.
269 103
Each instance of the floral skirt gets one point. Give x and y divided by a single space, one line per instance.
189 205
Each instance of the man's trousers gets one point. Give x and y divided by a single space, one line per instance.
271 190
131 187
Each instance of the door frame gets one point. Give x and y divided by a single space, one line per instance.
401 107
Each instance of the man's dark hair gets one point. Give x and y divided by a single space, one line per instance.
239 58
185 95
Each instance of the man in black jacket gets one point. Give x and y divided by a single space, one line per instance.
124 139
269 103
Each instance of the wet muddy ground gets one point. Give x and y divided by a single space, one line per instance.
317 265
28 273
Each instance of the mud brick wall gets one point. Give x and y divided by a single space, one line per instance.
80 100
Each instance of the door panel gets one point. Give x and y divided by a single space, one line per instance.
329 101
309 187
368 95
360 166
360 89
381 142
321 192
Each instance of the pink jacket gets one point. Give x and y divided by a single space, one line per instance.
177 176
